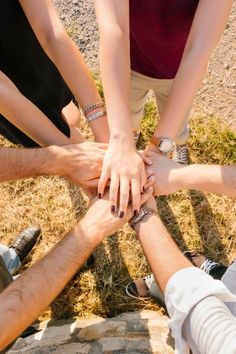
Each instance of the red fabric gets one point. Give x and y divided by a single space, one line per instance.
158 33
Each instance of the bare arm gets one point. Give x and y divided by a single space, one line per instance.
121 164
66 56
171 177
158 245
209 22
22 301
26 116
80 163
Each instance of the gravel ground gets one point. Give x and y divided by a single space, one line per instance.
217 95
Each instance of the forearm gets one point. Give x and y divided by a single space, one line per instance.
27 117
25 163
22 302
115 65
182 94
69 61
207 178
163 256
209 22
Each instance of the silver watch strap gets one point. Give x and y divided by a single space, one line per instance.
142 213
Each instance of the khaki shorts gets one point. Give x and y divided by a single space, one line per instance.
140 86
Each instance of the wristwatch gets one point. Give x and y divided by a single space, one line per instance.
142 213
164 145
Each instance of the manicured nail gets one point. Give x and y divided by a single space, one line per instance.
121 215
135 212
113 208
99 195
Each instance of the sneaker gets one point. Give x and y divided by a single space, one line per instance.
25 241
216 270
140 289
180 154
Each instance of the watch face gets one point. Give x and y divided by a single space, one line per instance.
166 146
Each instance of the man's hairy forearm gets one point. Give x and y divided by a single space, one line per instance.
162 253
24 163
208 178
23 301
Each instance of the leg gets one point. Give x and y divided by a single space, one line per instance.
5 276
10 258
229 279
138 95
71 115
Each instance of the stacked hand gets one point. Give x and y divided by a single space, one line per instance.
124 167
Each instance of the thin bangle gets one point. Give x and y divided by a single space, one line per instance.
95 115
91 107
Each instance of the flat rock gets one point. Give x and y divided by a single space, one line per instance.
133 333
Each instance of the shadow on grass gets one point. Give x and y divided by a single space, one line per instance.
170 221
208 231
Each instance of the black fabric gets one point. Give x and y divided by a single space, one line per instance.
218 271
5 276
23 60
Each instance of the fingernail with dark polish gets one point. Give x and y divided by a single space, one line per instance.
99 195
135 212
121 214
113 208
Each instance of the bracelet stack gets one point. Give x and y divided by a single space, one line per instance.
90 108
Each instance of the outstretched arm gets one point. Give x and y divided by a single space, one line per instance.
22 301
80 163
26 116
122 165
171 176
66 56
208 25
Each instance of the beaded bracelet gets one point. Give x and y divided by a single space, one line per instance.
96 115
92 106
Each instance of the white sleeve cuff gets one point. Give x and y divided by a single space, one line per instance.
184 290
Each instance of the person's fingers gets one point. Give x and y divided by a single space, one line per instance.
143 179
149 172
146 195
150 181
103 181
113 191
92 183
136 195
147 160
124 196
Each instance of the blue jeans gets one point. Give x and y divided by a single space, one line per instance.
10 258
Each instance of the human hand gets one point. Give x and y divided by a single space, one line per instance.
100 219
81 163
167 173
125 168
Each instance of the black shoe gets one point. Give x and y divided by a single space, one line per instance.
25 241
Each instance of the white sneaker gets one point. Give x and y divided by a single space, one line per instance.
180 154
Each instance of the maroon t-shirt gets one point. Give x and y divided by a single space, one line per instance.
158 33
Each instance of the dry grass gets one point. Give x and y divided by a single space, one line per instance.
201 221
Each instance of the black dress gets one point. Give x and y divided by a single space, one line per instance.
23 60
